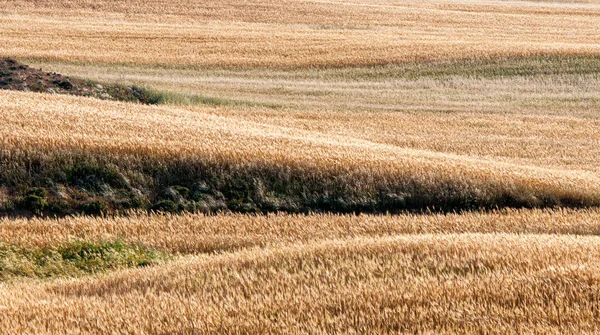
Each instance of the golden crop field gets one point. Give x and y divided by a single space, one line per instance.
313 167
292 33
498 272
50 130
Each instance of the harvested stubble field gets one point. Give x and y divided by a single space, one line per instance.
421 110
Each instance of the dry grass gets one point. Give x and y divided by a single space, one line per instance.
280 33
503 112
48 132
497 272
193 234
561 86
532 111
471 283
464 145
561 142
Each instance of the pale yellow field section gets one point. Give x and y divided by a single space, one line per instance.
293 33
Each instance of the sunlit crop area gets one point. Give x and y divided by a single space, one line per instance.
293 33
315 167
270 165
496 272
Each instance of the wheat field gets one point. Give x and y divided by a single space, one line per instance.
314 167
51 130
502 272
281 34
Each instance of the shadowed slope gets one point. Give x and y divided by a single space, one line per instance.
109 148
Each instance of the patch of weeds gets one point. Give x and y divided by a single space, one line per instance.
134 203
93 257
74 258
97 207
237 205
176 194
136 94
80 195
64 84
37 88
40 192
35 200
121 193
60 208
183 191
95 178
149 96
7 206
139 202
199 190
196 99
34 203
212 101
165 206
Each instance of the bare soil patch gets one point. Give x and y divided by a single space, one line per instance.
17 76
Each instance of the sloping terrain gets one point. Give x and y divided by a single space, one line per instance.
20 77
81 148
319 167
323 274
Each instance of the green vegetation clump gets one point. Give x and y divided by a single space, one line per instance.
182 190
73 259
95 177
172 98
137 94
165 206
99 186
96 207
60 208
34 203
38 192
35 200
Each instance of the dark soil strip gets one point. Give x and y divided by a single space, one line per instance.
20 77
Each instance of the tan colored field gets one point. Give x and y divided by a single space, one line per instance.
541 112
324 274
280 33
194 234
38 127
380 106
